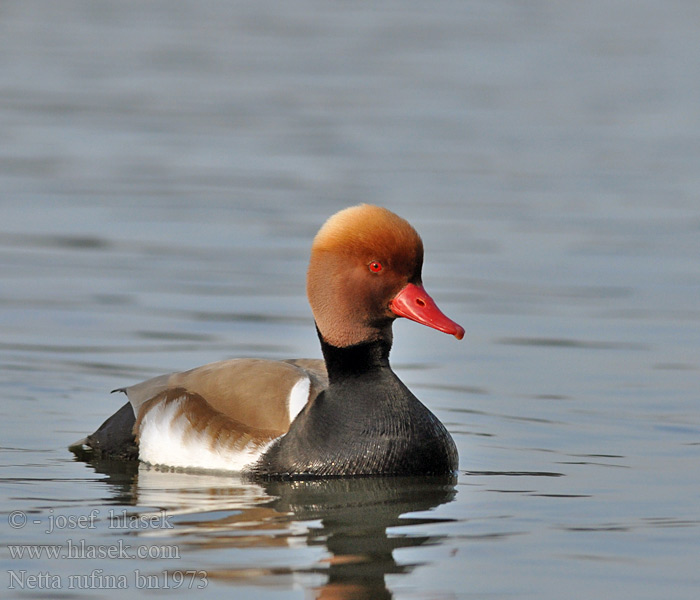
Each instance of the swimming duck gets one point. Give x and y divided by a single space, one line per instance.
346 415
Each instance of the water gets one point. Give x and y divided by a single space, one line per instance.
163 168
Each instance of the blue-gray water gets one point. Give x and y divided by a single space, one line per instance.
163 168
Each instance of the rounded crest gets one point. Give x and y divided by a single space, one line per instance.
373 231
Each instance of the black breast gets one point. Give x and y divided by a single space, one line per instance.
367 422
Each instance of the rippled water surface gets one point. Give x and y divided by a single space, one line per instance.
163 169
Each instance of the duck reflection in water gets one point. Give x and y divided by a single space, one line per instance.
354 517
350 518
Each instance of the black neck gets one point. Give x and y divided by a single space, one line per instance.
351 361
365 423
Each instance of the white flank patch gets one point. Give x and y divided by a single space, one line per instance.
298 397
167 439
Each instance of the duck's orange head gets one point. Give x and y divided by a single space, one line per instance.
364 272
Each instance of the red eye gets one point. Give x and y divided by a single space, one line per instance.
375 266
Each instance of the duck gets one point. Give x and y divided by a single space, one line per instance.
345 415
